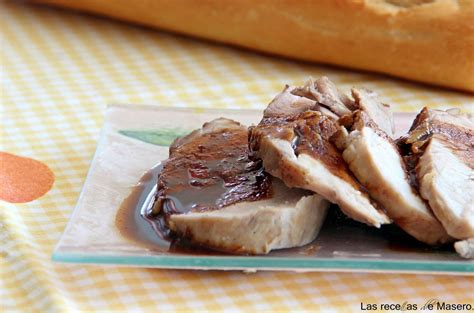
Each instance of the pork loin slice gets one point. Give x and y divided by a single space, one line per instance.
328 97
376 162
439 119
294 100
289 218
380 113
446 178
439 150
296 149
456 127
326 94
214 193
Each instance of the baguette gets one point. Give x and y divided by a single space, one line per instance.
430 41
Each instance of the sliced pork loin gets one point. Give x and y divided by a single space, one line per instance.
440 150
292 139
294 100
446 180
375 160
326 95
380 113
290 217
452 124
214 193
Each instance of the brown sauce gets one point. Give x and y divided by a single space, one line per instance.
130 219
205 171
208 172
136 227
427 125
338 231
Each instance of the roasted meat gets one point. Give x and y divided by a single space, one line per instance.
375 160
253 190
440 153
215 194
451 124
292 139
380 113
290 217
326 95
446 181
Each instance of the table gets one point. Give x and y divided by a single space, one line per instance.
60 70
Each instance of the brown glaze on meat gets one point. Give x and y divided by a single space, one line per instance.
375 160
361 119
439 154
309 133
294 144
380 113
326 94
460 141
209 169
455 129
320 95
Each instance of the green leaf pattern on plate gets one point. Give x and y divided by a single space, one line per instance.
160 137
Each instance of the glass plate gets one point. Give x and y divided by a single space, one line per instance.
136 138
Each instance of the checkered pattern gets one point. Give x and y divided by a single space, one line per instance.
60 70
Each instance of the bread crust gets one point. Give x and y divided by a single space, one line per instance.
430 41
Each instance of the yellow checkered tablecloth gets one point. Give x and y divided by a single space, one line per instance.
60 70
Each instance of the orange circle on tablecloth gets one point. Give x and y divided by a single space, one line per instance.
23 179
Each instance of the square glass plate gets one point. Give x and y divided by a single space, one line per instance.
136 138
